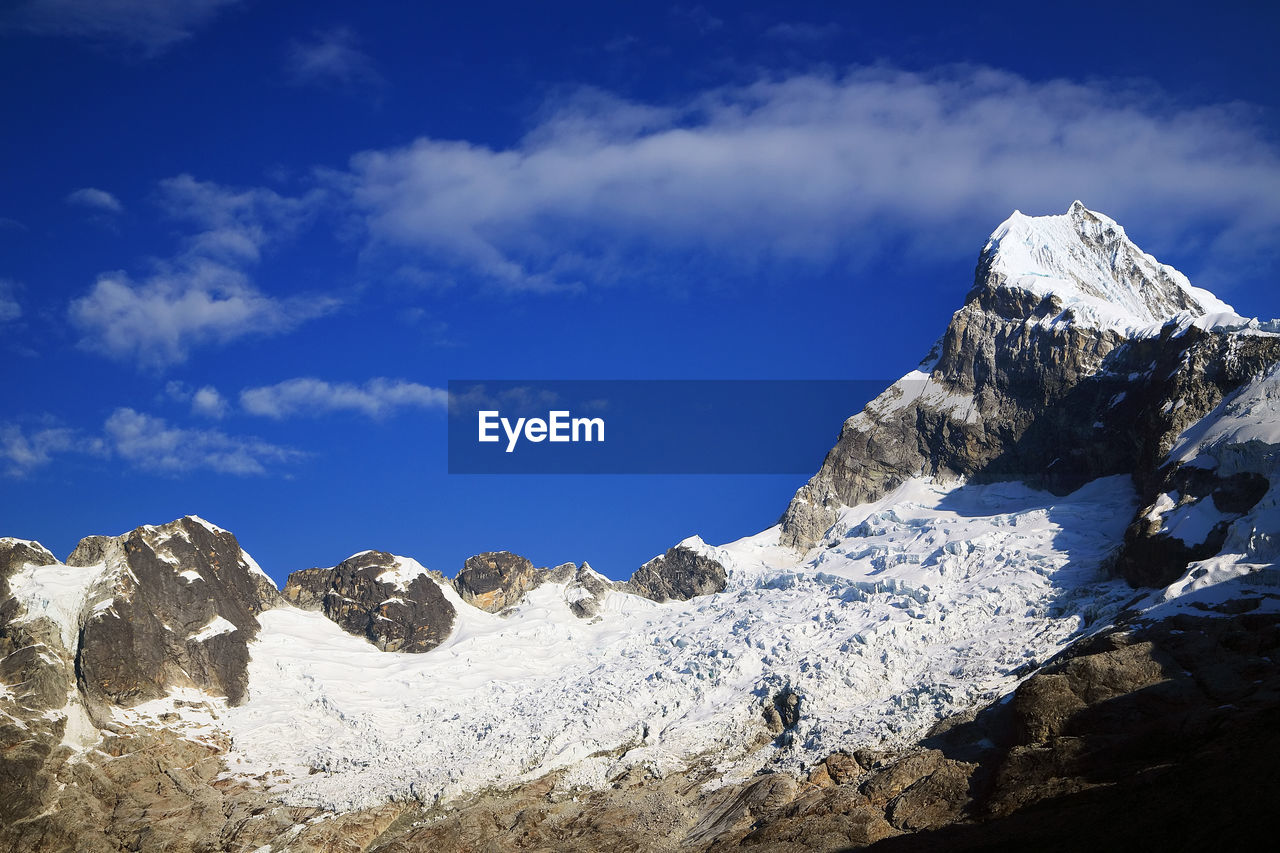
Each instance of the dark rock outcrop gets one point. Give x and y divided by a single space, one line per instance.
16 553
368 596
176 605
681 573
585 588
496 580
1119 739
1222 482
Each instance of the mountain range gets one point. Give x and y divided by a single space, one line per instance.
1030 600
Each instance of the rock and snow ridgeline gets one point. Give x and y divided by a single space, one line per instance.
1090 422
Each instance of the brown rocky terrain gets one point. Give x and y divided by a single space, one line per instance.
496 580
415 618
681 573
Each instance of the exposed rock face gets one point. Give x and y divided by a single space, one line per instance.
683 572
175 606
585 588
146 789
1224 468
496 580
37 673
739 809
390 601
14 554
1122 737
1025 385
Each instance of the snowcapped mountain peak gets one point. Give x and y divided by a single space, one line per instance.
1087 262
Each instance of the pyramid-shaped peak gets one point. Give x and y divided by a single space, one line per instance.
1085 260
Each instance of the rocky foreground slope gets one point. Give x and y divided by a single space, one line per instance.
1030 601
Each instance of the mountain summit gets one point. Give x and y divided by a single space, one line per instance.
1084 262
1067 318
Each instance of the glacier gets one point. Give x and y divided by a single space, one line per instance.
928 601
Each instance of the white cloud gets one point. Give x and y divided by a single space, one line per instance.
234 224
152 24
24 451
309 397
10 309
149 443
203 295
333 57
818 168
208 402
145 442
159 321
95 199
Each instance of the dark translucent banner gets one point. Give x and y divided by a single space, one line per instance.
648 426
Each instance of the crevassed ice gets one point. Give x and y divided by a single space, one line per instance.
933 599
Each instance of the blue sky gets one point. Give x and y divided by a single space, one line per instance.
244 243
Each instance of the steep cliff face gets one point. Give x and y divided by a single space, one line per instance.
173 605
392 601
1075 356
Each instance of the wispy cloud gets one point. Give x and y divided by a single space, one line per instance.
10 309
332 58
150 443
206 401
234 224
23 451
144 442
158 321
309 397
151 24
203 295
818 168
95 199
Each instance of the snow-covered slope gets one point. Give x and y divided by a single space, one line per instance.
933 599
